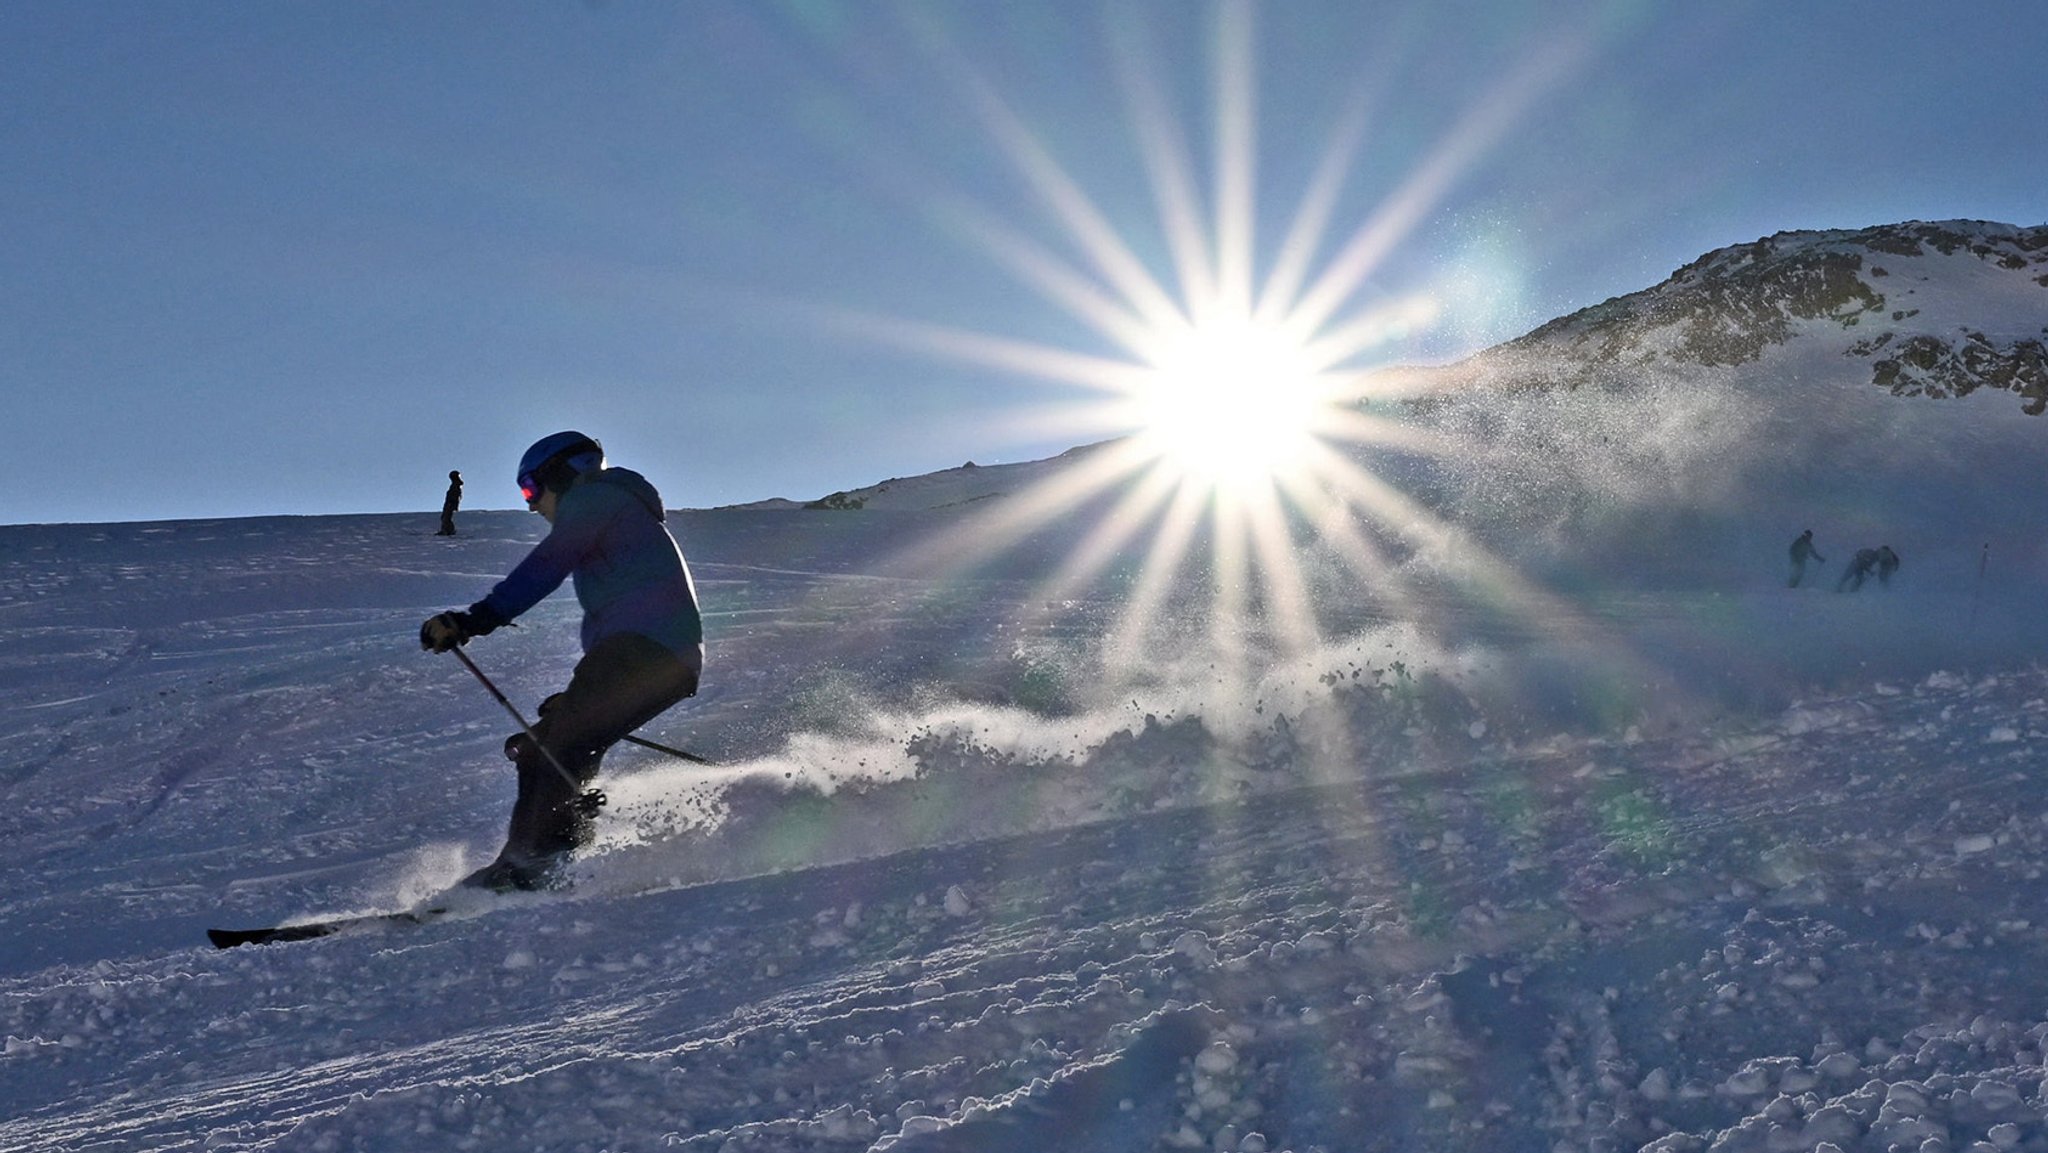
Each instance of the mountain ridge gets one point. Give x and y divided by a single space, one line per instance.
1897 301
1735 303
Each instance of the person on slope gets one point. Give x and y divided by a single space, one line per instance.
1859 570
643 641
1887 564
450 503
1802 551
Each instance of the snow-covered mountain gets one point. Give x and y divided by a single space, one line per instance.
947 488
1638 849
1802 364
1920 309
1879 385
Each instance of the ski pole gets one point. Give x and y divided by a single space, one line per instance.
527 729
643 742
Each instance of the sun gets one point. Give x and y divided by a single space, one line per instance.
1232 402
1247 445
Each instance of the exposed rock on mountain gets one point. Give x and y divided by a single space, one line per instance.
1928 309
1925 365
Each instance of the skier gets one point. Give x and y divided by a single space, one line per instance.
1887 564
1859 570
450 503
643 641
1802 548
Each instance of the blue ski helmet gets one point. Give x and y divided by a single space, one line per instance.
554 460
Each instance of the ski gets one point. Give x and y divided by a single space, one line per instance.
310 930
476 893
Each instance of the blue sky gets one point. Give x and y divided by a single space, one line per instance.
304 258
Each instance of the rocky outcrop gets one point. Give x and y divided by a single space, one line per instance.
1924 365
1733 304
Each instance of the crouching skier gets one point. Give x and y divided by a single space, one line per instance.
643 641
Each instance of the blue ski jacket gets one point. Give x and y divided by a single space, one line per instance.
629 574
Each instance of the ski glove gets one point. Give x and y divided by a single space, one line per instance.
443 632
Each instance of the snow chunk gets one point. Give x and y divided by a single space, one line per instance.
1752 1080
1219 1058
1831 1124
1194 945
1838 1066
1905 1099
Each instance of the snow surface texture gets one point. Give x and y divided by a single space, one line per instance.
1671 856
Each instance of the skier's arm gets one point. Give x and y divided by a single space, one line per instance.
541 573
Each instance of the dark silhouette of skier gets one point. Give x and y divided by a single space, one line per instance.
643 641
450 503
1859 571
1802 551
1887 564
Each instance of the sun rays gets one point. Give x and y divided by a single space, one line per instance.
1233 390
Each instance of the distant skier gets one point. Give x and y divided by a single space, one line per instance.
450 503
1860 568
643 640
1802 551
1887 564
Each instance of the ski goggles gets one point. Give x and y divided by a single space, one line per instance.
529 487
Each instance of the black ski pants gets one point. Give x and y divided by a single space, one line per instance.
623 682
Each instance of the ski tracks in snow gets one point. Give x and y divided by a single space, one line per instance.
1599 941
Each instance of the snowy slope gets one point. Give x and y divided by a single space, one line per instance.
1859 383
943 489
1688 861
